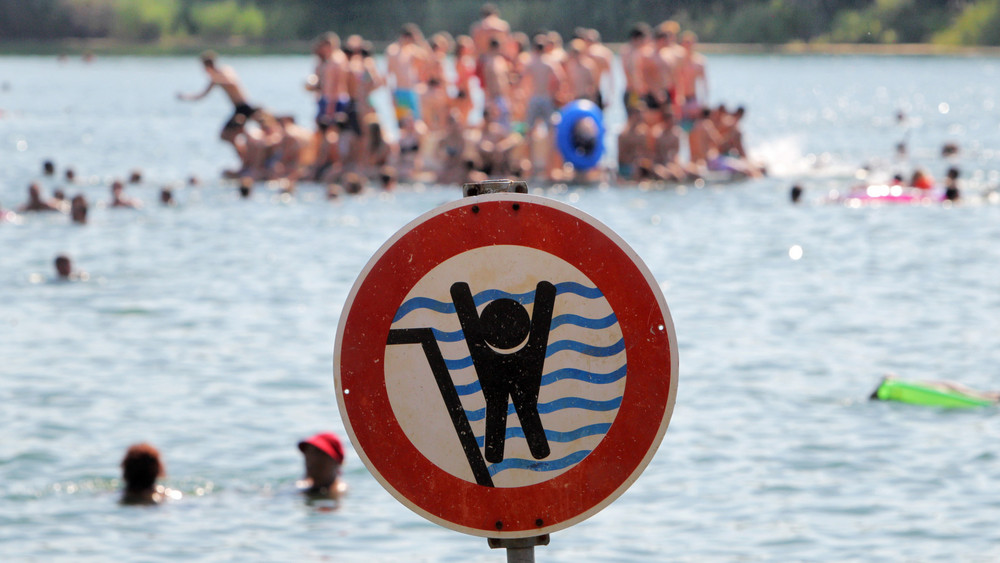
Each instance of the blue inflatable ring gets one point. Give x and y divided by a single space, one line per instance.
572 113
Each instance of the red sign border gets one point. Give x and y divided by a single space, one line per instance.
651 352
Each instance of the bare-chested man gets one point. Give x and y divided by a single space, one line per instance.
603 58
704 141
490 26
692 83
35 201
332 74
225 78
666 143
636 55
292 149
363 76
582 73
633 144
668 54
496 83
435 102
543 78
728 125
404 58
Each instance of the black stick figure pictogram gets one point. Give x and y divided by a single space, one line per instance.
503 325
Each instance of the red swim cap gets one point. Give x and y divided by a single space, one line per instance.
329 443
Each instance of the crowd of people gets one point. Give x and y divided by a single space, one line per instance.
448 134
78 206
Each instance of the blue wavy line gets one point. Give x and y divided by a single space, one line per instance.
469 388
458 363
422 303
587 349
491 294
584 322
578 289
557 405
558 375
584 376
442 336
558 346
555 435
567 319
536 465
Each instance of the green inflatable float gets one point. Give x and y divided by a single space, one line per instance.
933 394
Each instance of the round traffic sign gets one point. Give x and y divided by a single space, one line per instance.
505 365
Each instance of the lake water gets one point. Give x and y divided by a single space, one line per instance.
208 329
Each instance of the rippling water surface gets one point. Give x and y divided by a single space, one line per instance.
208 329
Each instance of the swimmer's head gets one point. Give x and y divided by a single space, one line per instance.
489 9
208 58
540 42
246 187
354 183
639 31
387 174
63 266
48 168
78 209
410 31
670 27
505 323
141 467
796 193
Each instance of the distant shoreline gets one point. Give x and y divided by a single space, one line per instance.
235 47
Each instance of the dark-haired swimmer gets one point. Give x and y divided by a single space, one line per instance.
78 209
35 201
167 197
951 191
141 467
65 271
119 199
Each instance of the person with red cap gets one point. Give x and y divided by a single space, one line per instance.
324 454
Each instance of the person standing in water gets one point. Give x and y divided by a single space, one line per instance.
225 78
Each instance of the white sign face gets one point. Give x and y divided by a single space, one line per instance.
582 376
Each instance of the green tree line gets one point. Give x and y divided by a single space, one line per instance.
952 22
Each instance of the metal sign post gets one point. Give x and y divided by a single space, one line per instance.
519 550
